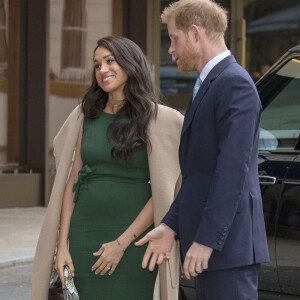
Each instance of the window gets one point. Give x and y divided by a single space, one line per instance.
3 40
272 29
280 121
74 39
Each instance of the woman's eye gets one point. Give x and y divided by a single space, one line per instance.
110 61
97 67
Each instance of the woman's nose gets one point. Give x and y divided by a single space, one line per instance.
103 68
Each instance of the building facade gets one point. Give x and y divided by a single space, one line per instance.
46 50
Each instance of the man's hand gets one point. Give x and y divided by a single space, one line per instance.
160 240
196 260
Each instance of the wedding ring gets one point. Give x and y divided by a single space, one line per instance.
108 268
198 266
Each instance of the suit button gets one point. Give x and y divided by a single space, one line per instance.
225 228
219 242
223 233
221 238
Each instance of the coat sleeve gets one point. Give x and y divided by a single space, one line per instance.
64 145
171 218
58 142
237 114
164 132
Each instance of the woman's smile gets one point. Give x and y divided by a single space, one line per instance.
106 79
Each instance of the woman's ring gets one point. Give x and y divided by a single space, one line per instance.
198 266
108 268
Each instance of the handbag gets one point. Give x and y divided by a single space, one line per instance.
55 290
187 289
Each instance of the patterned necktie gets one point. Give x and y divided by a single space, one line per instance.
196 87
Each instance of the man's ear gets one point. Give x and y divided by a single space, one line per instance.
194 33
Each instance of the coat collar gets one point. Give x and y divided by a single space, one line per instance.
212 75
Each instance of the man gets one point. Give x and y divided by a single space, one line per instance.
217 214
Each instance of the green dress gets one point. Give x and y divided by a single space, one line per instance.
109 195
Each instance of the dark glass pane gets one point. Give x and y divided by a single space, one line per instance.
272 29
280 122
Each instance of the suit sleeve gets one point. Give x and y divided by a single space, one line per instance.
171 218
237 113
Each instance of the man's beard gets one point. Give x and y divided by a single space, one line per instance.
188 59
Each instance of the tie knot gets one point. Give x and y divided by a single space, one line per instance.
196 87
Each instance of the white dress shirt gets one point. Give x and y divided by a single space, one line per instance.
212 63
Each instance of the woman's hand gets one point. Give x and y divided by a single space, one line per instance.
110 256
63 258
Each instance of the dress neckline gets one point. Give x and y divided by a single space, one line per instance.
106 113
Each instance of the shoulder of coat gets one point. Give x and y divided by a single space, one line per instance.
76 113
169 114
74 116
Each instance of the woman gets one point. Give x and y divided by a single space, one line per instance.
124 140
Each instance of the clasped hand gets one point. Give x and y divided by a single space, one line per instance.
110 255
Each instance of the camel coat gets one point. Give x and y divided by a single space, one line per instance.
164 133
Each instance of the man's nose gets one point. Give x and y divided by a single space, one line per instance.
171 49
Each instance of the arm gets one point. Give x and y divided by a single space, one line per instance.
165 137
161 238
111 253
63 256
171 218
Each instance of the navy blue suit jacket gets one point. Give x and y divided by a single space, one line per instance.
219 204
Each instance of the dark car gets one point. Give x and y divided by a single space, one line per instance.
279 177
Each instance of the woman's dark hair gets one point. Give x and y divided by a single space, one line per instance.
129 128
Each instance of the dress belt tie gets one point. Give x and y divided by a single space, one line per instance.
83 175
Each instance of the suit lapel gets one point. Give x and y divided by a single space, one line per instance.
194 104
213 74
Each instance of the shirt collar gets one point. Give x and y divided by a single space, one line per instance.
212 63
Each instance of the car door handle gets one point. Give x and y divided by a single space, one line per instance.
266 180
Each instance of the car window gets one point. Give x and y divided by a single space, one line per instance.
280 120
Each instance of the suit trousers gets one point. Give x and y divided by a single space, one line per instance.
230 284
